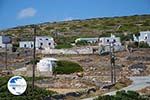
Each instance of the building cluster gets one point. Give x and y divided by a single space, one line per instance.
41 42
102 40
105 41
46 42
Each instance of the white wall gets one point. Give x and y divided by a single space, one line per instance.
107 40
145 36
26 44
45 65
44 42
41 41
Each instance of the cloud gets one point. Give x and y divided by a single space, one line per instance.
27 12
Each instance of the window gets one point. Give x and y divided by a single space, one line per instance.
40 39
145 37
31 45
107 40
41 44
114 41
25 45
47 39
49 44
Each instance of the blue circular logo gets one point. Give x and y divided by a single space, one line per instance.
17 85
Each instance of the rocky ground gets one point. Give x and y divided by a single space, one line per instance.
96 69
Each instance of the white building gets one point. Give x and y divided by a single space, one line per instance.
144 36
42 42
26 44
46 64
105 41
89 40
4 39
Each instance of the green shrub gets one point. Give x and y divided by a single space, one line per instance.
33 61
123 95
63 46
67 67
38 93
143 45
82 42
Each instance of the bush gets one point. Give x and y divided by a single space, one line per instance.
82 43
61 46
67 67
143 45
123 95
33 61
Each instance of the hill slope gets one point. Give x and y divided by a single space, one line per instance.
67 31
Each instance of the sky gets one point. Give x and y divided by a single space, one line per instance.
23 12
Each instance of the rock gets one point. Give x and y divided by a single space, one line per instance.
78 85
58 97
91 90
74 94
80 74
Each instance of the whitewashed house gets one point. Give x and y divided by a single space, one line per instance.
5 40
89 40
46 64
45 42
144 37
105 41
42 42
26 44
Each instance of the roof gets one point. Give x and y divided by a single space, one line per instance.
50 59
145 32
87 38
26 41
44 37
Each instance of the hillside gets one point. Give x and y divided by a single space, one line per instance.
67 31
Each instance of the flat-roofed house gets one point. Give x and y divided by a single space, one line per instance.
145 37
26 44
105 41
45 42
41 42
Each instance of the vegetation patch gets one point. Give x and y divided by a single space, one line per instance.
67 67
144 45
82 43
123 95
60 46
38 93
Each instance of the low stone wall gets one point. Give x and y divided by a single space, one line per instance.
27 71
86 50
138 58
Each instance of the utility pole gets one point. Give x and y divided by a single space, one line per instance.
6 40
34 51
6 57
112 63
111 67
